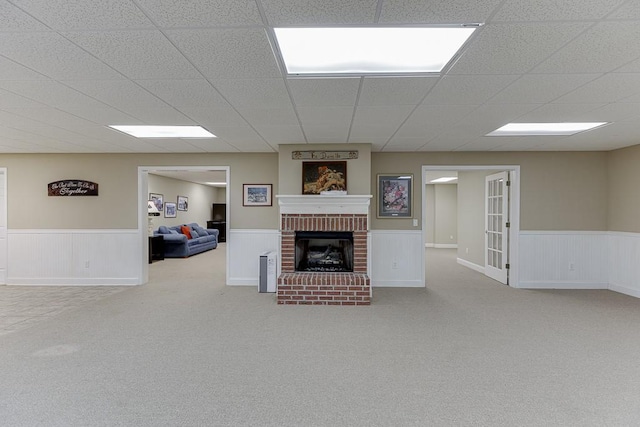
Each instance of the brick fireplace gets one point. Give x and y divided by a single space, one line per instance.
320 213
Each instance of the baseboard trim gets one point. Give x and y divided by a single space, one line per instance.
563 285
471 265
429 245
397 284
445 246
625 290
23 281
243 281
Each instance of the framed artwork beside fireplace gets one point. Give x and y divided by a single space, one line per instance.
323 176
395 195
257 195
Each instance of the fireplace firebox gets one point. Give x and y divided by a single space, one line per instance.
324 251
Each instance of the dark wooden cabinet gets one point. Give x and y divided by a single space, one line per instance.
221 226
156 248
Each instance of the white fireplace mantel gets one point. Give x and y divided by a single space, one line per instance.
322 204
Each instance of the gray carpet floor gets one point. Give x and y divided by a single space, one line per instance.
185 350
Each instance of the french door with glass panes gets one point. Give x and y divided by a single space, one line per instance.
496 254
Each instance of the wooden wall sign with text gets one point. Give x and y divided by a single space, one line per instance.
72 187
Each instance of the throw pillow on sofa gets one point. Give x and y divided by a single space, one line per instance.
194 234
186 231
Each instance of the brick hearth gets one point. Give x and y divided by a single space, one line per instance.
315 288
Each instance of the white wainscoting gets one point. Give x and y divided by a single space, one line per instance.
564 260
624 263
73 257
244 250
397 258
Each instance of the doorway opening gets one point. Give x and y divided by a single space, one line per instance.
487 219
185 173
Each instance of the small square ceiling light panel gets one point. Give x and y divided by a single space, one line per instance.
347 51
545 129
164 131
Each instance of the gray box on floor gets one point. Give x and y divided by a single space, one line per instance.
268 272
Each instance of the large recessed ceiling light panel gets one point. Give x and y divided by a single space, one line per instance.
165 131
367 50
545 129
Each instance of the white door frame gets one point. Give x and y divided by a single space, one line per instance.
4 230
514 206
143 195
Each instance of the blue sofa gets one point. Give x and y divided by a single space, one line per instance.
177 245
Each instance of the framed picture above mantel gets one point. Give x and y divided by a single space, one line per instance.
323 176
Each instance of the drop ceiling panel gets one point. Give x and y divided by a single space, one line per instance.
14 19
608 88
630 10
211 118
558 113
427 119
256 93
121 94
313 12
322 133
136 54
405 144
269 116
514 48
228 53
383 91
324 92
185 93
176 145
602 49
276 135
380 122
160 115
10 70
12 100
201 13
541 88
52 55
546 10
467 89
325 116
447 142
51 93
105 14
436 11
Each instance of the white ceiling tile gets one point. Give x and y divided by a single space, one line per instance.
124 95
446 142
10 70
608 88
405 143
313 12
378 122
324 92
281 134
603 48
228 53
12 100
630 67
489 117
630 10
554 10
14 19
160 116
558 113
256 93
436 11
614 112
54 117
185 93
215 145
52 55
467 89
269 116
326 116
201 13
375 142
395 91
105 14
334 134
540 88
175 145
213 117
514 48
145 54
51 93
428 119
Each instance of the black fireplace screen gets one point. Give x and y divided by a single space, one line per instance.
324 251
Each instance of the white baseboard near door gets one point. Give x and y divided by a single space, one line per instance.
563 285
471 265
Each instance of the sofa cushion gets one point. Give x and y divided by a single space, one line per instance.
201 231
186 231
194 234
172 231
163 230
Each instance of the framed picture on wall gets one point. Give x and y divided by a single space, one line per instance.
183 203
170 210
395 196
257 195
157 200
323 176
